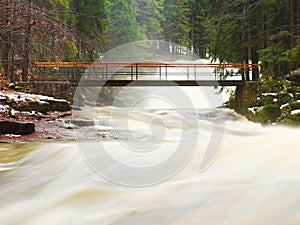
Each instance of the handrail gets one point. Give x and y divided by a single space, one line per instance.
144 65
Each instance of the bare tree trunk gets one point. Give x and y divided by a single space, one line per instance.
254 59
298 17
5 58
26 50
76 8
292 17
12 66
293 28
25 65
246 61
5 41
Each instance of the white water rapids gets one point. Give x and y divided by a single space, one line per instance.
255 179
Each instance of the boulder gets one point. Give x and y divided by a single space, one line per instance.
58 105
268 114
38 106
83 122
18 128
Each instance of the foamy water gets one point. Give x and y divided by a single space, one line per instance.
255 178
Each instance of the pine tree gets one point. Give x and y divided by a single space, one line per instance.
150 18
198 28
122 26
89 21
177 22
256 31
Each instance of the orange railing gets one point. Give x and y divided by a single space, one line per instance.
142 64
133 71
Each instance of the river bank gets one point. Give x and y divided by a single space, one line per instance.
276 101
36 117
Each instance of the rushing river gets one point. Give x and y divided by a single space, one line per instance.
252 177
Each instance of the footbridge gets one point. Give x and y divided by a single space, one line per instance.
142 73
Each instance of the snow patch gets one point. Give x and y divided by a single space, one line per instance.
269 94
253 109
284 105
295 112
13 135
3 108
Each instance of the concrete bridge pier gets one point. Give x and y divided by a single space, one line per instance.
245 96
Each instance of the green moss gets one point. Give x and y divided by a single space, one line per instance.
287 93
295 76
289 122
25 107
268 114
284 97
59 105
295 117
294 105
265 100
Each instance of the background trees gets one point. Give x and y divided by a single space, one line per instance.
237 31
29 32
150 18
121 23
265 31
87 16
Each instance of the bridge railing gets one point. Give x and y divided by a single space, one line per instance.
73 71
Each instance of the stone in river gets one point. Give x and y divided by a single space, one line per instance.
83 122
58 105
18 128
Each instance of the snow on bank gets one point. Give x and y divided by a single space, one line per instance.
295 112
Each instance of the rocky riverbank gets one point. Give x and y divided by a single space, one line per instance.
277 101
30 117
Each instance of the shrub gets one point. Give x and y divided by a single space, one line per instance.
268 114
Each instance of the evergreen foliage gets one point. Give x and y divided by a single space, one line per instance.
235 31
149 15
122 26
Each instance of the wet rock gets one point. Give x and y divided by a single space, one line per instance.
38 106
18 128
291 122
83 122
60 105
66 124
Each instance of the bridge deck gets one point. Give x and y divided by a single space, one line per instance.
139 83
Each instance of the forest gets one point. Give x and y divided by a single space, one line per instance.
236 31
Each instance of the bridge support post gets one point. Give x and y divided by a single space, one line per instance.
106 71
131 72
243 75
160 72
166 72
244 97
